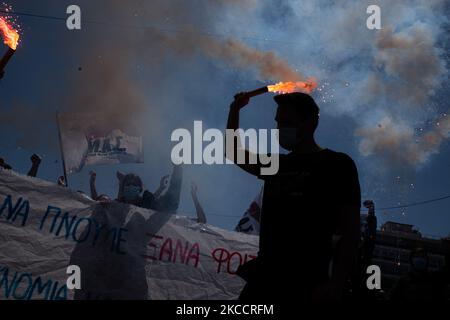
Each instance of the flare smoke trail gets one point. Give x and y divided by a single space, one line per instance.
268 65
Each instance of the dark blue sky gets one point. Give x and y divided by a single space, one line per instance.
172 90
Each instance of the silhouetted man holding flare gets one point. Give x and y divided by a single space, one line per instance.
317 192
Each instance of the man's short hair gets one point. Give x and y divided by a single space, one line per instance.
302 103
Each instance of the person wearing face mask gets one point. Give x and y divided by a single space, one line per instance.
421 283
318 189
130 190
165 199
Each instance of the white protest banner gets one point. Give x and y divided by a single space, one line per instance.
88 139
123 252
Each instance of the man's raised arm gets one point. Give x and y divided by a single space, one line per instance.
234 150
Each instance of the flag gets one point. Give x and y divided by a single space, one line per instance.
90 139
250 221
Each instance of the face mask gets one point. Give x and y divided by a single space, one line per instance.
287 138
419 264
131 192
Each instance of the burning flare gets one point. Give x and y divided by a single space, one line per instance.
10 36
307 86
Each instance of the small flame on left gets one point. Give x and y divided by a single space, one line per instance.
10 36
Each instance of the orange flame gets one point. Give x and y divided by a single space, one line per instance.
10 36
307 86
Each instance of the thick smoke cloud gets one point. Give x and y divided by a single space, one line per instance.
108 91
400 145
412 63
396 78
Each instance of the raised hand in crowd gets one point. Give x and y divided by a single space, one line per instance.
163 183
92 179
201 216
35 162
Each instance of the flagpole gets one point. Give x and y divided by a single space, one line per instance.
61 149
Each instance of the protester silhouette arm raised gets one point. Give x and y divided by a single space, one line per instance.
35 162
164 182
240 101
170 199
93 177
201 217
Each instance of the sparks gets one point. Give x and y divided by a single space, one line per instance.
10 36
